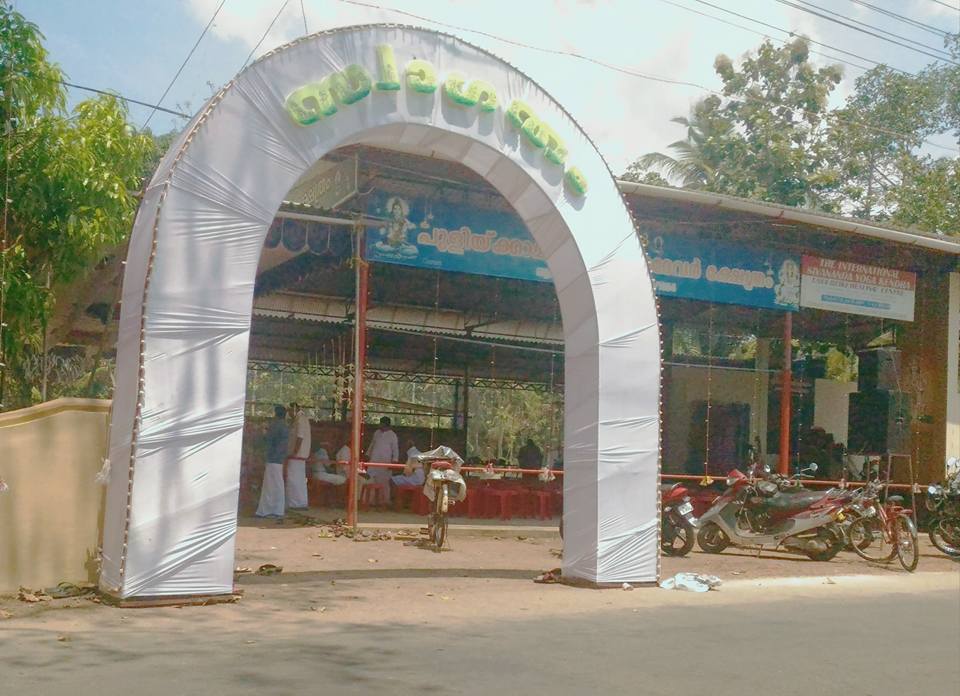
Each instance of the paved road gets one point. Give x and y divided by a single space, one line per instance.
454 635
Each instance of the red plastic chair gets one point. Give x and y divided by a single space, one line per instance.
500 502
406 493
373 494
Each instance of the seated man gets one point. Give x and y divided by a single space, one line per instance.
325 470
413 471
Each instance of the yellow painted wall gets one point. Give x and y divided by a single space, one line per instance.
51 516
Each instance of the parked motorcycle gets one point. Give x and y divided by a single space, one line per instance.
943 502
774 512
678 526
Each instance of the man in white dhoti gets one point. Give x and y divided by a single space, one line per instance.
384 449
325 470
271 492
297 461
413 472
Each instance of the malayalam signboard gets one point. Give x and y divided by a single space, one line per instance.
724 273
448 237
856 288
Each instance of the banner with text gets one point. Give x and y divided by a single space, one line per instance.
447 237
855 288
725 273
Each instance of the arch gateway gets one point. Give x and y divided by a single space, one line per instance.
177 422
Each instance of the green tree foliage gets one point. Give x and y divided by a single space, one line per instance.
68 179
772 137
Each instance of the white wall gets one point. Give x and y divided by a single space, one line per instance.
953 368
688 384
831 406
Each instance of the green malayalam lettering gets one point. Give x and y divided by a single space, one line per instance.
389 75
351 84
421 76
482 93
453 88
518 113
310 103
576 181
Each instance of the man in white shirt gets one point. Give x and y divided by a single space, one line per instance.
325 470
413 472
297 462
384 449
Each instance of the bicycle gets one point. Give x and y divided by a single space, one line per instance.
885 524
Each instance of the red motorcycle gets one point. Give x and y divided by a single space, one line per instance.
678 526
774 512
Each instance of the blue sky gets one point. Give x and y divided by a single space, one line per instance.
136 46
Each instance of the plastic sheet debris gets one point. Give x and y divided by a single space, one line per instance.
626 586
3 486
691 582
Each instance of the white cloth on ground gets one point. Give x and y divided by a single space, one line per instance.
296 484
271 492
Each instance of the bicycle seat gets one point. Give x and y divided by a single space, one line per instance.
895 500
441 465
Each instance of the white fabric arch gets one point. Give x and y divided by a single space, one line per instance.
179 401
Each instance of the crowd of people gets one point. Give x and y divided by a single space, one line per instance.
289 452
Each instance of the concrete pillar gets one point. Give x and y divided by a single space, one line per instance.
929 372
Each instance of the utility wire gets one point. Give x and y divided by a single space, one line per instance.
262 38
919 25
875 28
791 32
949 7
156 107
863 31
626 71
760 33
303 11
184 63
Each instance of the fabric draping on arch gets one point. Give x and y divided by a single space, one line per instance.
178 413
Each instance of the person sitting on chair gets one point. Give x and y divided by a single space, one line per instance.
325 470
413 471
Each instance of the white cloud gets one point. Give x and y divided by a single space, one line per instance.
626 116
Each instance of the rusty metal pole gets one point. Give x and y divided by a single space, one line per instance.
786 395
359 363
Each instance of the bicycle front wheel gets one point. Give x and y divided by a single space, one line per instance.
908 546
870 541
440 504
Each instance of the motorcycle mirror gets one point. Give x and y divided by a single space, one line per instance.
766 468
813 467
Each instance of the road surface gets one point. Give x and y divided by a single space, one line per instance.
497 633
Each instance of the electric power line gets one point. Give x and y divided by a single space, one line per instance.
949 7
303 11
626 71
269 27
868 32
791 32
907 20
184 63
116 95
875 28
760 33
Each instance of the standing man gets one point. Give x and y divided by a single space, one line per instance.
530 456
383 449
271 492
297 462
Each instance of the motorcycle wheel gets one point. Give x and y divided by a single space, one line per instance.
676 536
945 535
834 545
849 542
908 546
440 519
878 550
712 539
